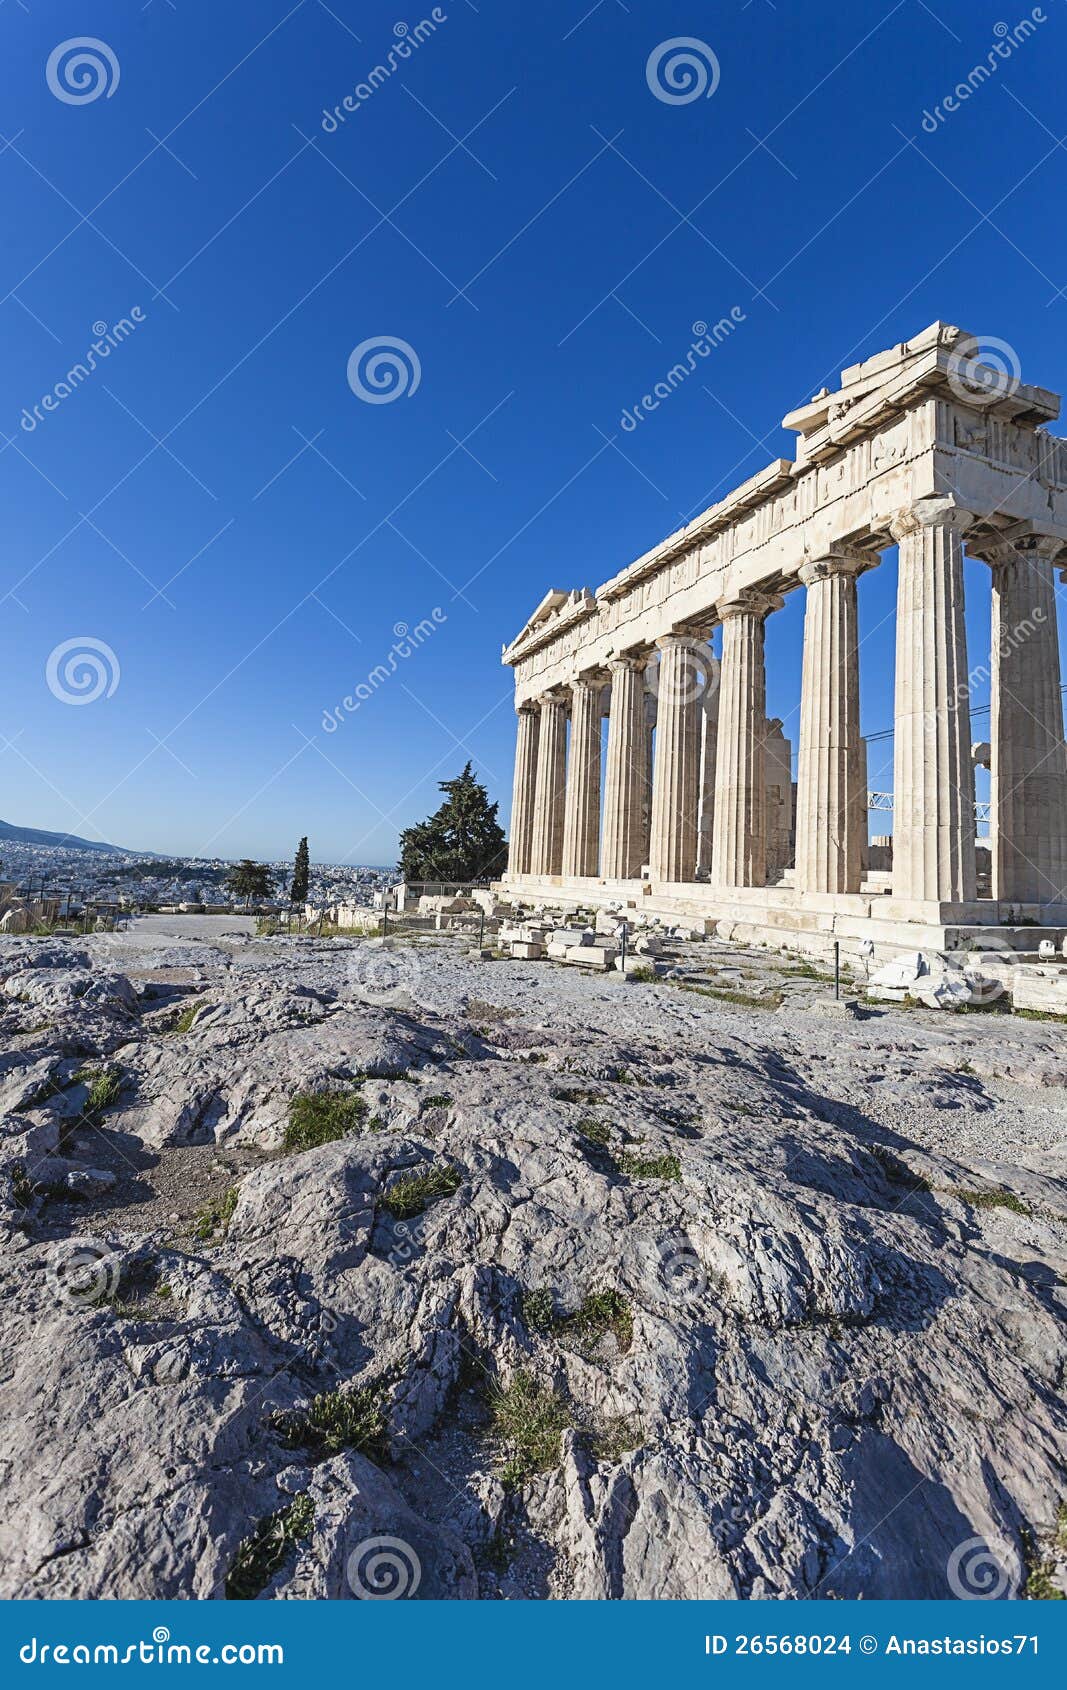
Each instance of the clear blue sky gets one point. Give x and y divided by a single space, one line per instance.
516 205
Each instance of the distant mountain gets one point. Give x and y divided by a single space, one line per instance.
69 841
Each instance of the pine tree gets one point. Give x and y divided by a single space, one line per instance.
298 891
250 880
461 841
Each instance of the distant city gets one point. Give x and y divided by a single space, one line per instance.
133 880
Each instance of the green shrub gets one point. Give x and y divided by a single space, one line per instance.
439 1100
319 1117
262 1553
409 1196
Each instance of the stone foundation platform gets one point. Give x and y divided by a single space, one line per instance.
782 917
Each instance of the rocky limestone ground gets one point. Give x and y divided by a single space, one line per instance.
607 1289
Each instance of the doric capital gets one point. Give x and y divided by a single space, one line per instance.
528 707
829 564
749 602
628 662
556 698
938 511
677 642
1023 542
590 680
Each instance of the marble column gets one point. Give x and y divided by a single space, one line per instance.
739 846
1028 760
672 851
831 807
709 738
933 777
547 847
651 712
865 842
581 821
626 775
779 811
522 798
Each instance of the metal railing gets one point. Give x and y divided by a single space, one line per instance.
884 801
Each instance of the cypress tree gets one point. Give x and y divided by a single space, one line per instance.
301 867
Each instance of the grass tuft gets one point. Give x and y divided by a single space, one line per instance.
600 1312
996 1199
320 1117
597 1132
613 1438
897 1171
337 1420
211 1223
186 1018
539 1310
632 1166
261 1554
527 1422
741 1000
410 1196
22 1188
104 1086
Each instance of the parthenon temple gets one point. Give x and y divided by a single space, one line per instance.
691 807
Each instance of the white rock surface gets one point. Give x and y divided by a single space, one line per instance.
836 1368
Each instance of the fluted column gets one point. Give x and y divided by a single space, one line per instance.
547 847
739 846
865 843
831 808
933 777
522 799
626 776
581 822
672 851
1028 760
709 735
